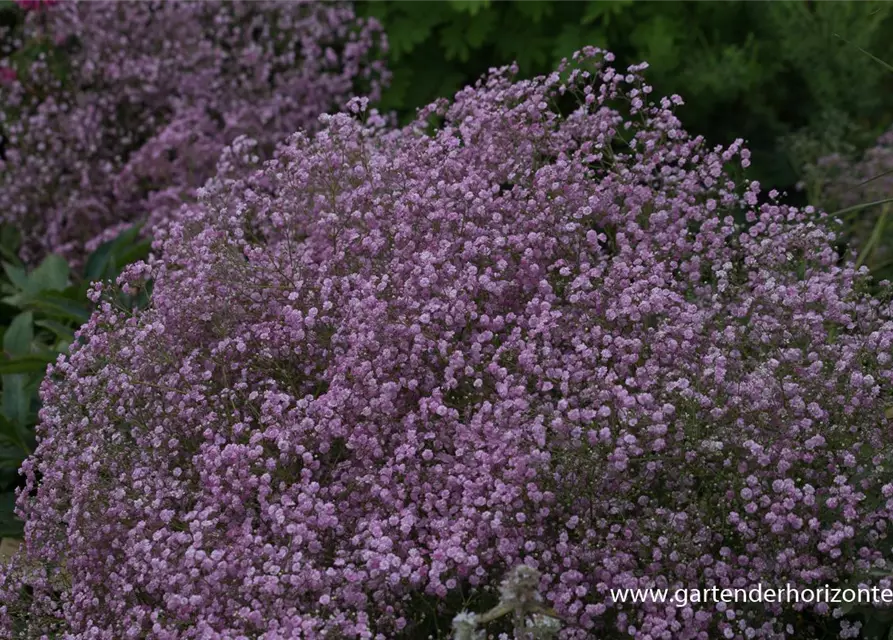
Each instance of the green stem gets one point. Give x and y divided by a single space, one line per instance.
875 238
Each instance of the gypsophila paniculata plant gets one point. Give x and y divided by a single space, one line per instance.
115 112
387 367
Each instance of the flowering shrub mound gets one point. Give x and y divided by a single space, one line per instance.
387 367
113 111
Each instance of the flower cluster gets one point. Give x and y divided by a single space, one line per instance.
34 5
540 326
114 112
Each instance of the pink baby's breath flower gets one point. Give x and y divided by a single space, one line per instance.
35 5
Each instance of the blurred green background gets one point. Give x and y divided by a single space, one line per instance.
788 76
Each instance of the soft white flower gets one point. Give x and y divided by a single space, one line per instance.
465 627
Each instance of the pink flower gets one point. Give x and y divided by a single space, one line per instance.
35 5
7 75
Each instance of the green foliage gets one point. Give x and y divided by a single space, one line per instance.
40 310
773 73
856 188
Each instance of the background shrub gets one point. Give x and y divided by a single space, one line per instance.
115 111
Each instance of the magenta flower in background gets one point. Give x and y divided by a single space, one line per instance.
34 5
387 366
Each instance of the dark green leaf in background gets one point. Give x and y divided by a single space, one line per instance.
119 251
17 275
10 526
10 239
51 275
27 364
59 306
16 399
18 337
60 330
471 7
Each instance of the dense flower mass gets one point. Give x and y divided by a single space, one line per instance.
116 110
388 366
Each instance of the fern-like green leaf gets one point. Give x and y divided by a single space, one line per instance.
471 7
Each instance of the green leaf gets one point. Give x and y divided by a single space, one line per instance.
534 10
98 261
573 37
656 38
602 10
11 457
63 332
133 253
27 364
115 251
18 300
452 39
16 399
58 306
471 7
10 239
19 443
16 275
527 46
378 10
10 525
51 275
20 334
479 29
10 434
404 35
9 255
875 623
394 95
